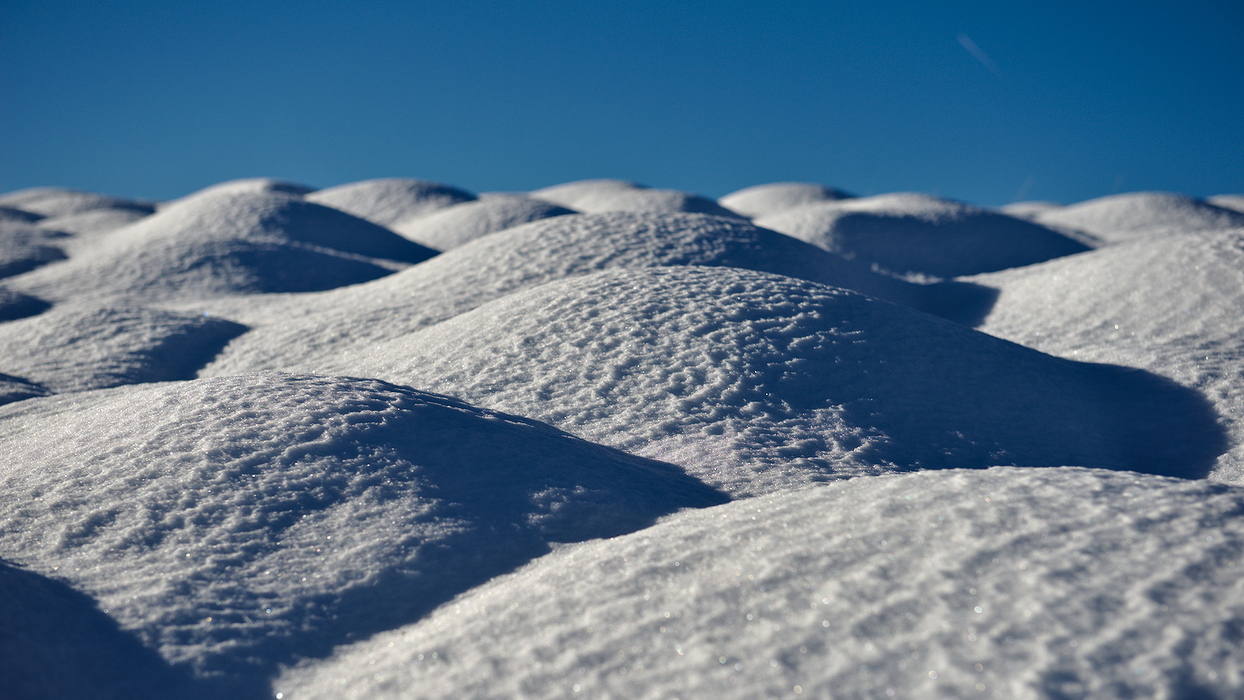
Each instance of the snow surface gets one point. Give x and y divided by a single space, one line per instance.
763 200
223 472
915 234
1006 583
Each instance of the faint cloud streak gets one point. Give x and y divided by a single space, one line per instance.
966 42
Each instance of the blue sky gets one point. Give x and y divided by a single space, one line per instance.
981 101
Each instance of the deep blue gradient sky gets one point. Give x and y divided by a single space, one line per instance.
1061 101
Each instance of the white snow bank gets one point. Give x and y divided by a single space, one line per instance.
599 196
388 201
25 247
915 234
228 244
236 524
327 332
463 223
755 382
1123 217
1015 583
1170 306
1234 202
57 201
8 214
763 200
74 348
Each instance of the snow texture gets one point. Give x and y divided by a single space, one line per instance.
330 332
915 234
224 472
755 382
1006 583
389 201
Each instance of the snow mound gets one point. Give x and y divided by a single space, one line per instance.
1028 210
566 194
94 220
231 244
1235 202
237 524
463 223
15 305
1123 217
915 234
328 332
24 247
246 185
651 201
75 348
388 201
755 382
763 200
1172 308
56 201
1015 583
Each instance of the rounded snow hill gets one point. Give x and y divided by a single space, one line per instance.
246 185
463 223
755 382
763 200
327 332
57 201
239 524
75 348
1234 202
915 234
1123 217
94 220
566 194
1168 306
650 201
388 201
1015 583
1028 210
25 247
238 243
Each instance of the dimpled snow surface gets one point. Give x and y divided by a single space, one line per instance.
393 439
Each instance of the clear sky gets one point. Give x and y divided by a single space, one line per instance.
982 101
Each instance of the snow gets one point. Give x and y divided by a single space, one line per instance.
463 223
1234 202
233 524
1008 583
258 442
339 326
1171 307
226 244
763 200
1123 217
756 382
388 201
913 234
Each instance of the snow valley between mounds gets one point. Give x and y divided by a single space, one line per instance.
394 439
